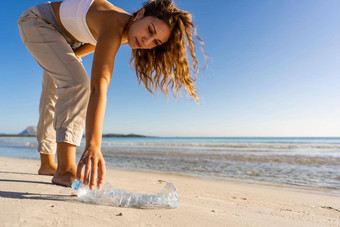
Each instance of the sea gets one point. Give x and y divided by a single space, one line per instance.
312 163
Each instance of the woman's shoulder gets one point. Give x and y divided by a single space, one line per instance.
102 15
103 5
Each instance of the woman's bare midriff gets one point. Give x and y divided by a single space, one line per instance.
56 7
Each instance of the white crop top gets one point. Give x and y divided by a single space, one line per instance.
73 17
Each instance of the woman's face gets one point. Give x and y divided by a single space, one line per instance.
148 32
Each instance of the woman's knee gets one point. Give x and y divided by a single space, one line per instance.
82 82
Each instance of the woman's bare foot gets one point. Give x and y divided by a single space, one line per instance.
67 168
47 164
65 178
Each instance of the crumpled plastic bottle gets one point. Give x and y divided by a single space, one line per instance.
108 194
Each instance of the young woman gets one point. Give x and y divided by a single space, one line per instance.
58 34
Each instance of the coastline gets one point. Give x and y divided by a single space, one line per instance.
29 199
294 164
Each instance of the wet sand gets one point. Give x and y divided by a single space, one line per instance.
28 199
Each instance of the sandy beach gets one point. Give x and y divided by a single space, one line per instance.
28 199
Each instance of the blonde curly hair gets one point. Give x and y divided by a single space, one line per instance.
167 64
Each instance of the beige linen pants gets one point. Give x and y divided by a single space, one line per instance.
65 85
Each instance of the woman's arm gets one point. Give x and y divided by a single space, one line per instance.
103 61
84 50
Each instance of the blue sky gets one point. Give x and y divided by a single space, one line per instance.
274 70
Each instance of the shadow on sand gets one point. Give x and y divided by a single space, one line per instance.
35 196
25 181
19 173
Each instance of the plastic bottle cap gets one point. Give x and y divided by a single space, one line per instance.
75 185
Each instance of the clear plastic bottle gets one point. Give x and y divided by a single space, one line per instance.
110 195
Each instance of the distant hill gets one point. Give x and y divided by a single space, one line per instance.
29 131
32 131
122 135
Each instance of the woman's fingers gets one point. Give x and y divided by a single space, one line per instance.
94 168
79 169
94 165
101 172
87 172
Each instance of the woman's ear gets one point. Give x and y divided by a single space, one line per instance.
140 14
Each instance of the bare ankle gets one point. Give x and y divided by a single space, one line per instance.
67 169
47 159
48 165
66 158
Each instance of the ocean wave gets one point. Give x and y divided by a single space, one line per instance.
296 159
19 144
195 147
225 145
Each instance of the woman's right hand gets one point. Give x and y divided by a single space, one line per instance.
94 163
